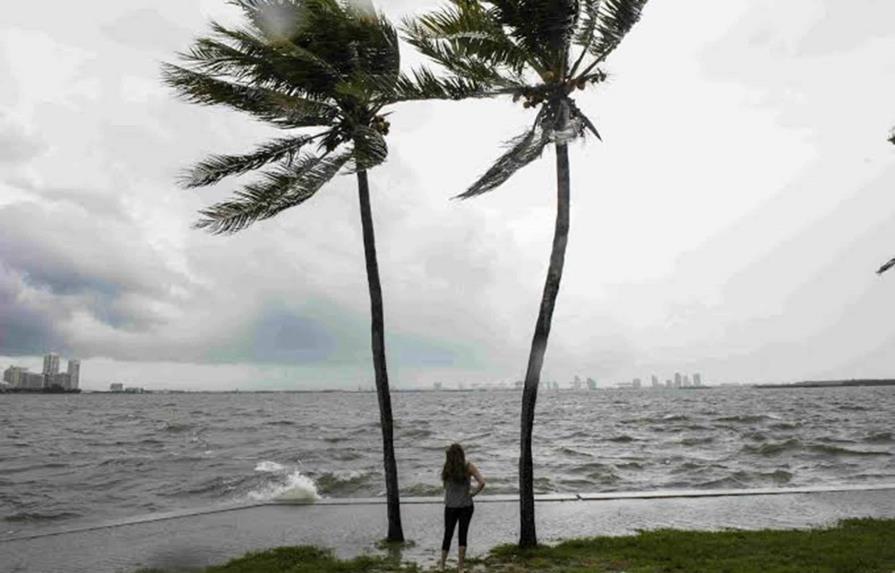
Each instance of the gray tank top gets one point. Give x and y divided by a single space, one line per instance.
456 494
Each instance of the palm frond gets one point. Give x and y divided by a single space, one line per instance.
379 53
543 28
370 148
587 23
584 122
300 67
339 36
892 136
470 32
217 167
277 191
886 267
279 108
616 18
587 30
460 62
241 56
522 150
422 84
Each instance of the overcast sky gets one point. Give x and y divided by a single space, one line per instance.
730 223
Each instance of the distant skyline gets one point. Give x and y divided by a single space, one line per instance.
729 224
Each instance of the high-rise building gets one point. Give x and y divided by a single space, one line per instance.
14 376
51 363
60 379
591 384
655 380
677 380
686 382
668 383
636 383
74 373
697 379
33 380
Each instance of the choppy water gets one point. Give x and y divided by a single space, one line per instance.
83 458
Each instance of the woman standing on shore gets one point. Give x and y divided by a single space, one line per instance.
458 496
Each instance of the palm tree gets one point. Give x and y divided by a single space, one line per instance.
302 64
539 52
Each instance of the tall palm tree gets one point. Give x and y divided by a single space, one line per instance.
539 52
297 64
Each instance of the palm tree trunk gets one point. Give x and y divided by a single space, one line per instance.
528 536
395 531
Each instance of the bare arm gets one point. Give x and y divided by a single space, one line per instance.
480 481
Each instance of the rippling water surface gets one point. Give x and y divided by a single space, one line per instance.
66 460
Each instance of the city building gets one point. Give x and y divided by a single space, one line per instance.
14 376
686 382
116 387
668 384
591 384
697 379
74 374
51 364
33 381
59 379
636 384
655 381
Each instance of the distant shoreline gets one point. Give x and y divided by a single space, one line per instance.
52 390
794 385
831 383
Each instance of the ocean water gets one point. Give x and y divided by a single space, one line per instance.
77 459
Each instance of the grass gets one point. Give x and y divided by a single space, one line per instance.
303 559
852 546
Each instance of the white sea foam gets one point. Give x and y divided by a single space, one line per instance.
285 486
270 467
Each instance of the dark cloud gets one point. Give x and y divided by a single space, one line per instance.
25 327
68 251
74 261
279 335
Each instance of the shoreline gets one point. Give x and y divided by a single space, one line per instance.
437 501
194 542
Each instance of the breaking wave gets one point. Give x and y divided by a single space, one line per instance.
284 484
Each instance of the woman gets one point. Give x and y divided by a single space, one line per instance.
458 499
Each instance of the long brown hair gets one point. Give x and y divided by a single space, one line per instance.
454 464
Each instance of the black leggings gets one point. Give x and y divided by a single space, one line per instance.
451 515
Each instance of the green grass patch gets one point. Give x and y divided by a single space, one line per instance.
852 546
302 559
